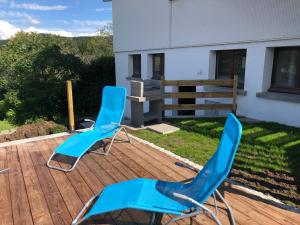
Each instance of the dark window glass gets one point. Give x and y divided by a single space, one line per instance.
286 70
230 63
136 66
186 100
158 66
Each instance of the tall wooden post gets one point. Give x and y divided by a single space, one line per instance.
162 88
234 99
70 105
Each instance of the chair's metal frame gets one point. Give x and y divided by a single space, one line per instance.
106 152
4 170
192 213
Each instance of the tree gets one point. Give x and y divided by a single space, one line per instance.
34 68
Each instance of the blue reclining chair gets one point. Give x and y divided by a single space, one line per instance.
107 125
183 199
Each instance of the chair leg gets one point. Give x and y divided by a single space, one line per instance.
128 139
189 215
4 170
231 216
79 219
59 168
215 203
106 152
152 221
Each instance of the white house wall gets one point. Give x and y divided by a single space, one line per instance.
140 24
200 27
194 63
156 24
202 22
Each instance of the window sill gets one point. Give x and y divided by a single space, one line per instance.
279 96
240 92
134 78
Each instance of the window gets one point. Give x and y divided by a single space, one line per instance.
158 61
286 70
230 63
136 66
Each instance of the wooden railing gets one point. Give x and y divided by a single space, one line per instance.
232 83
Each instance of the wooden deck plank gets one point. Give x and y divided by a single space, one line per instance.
109 163
20 205
54 197
5 201
82 188
78 183
72 200
57 207
38 205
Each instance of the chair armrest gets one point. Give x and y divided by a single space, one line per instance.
186 166
89 120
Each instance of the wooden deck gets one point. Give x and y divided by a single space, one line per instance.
30 193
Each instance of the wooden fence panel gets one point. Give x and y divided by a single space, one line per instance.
233 83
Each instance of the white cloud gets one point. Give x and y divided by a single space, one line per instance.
38 7
3 1
98 23
16 14
103 9
51 31
32 21
7 30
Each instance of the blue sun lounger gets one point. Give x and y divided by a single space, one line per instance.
182 199
107 125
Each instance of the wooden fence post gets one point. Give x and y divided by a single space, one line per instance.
234 99
70 105
162 86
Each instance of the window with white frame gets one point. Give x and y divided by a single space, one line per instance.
286 70
230 63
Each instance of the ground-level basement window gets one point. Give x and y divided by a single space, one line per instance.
136 66
158 66
230 63
286 70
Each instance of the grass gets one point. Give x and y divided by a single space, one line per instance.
268 158
264 146
5 125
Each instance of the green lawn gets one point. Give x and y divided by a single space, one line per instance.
5 125
266 149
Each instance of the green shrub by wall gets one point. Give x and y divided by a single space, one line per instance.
34 69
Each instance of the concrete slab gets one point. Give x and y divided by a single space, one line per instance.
163 128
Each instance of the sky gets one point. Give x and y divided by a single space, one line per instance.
63 17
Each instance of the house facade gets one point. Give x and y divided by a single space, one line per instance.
214 39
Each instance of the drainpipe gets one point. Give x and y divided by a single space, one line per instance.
170 22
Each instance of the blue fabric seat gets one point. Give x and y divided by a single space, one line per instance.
107 125
184 199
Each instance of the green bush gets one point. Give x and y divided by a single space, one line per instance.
3 109
58 128
11 116
34 69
